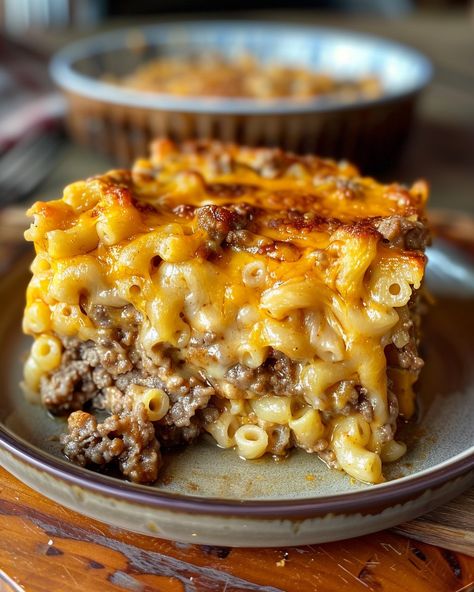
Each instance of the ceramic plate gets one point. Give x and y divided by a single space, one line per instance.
210 496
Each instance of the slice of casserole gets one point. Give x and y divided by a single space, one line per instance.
265 298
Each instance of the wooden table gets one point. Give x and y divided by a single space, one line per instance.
46 548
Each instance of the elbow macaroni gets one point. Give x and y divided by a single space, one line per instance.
46 352
155 401
251 441
223 430
307 427
273 409
350 439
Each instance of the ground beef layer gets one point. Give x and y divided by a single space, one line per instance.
96 376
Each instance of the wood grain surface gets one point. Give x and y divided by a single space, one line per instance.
46 548
451 526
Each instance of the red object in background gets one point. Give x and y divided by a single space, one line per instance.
28 101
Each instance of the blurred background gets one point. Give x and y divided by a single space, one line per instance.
38 157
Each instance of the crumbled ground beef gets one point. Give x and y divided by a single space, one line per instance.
318 447
277 375
113 357
219 221
69 388
403 233
110 399
186 396
364 406
279 440
100 374
101 378
103 372
405 357
244 240
171 435
128 439
386 432
100 316
106 317
139 377
408 357
184 408
403 351
272 162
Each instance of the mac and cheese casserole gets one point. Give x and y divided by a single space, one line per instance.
268 299
214 75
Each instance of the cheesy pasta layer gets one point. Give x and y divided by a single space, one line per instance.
214 75
265 298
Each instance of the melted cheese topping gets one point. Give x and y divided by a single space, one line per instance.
216 76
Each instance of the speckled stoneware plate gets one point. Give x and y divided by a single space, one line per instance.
210 496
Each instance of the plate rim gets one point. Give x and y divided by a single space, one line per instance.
366 501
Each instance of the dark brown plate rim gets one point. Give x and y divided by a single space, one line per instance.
371 500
